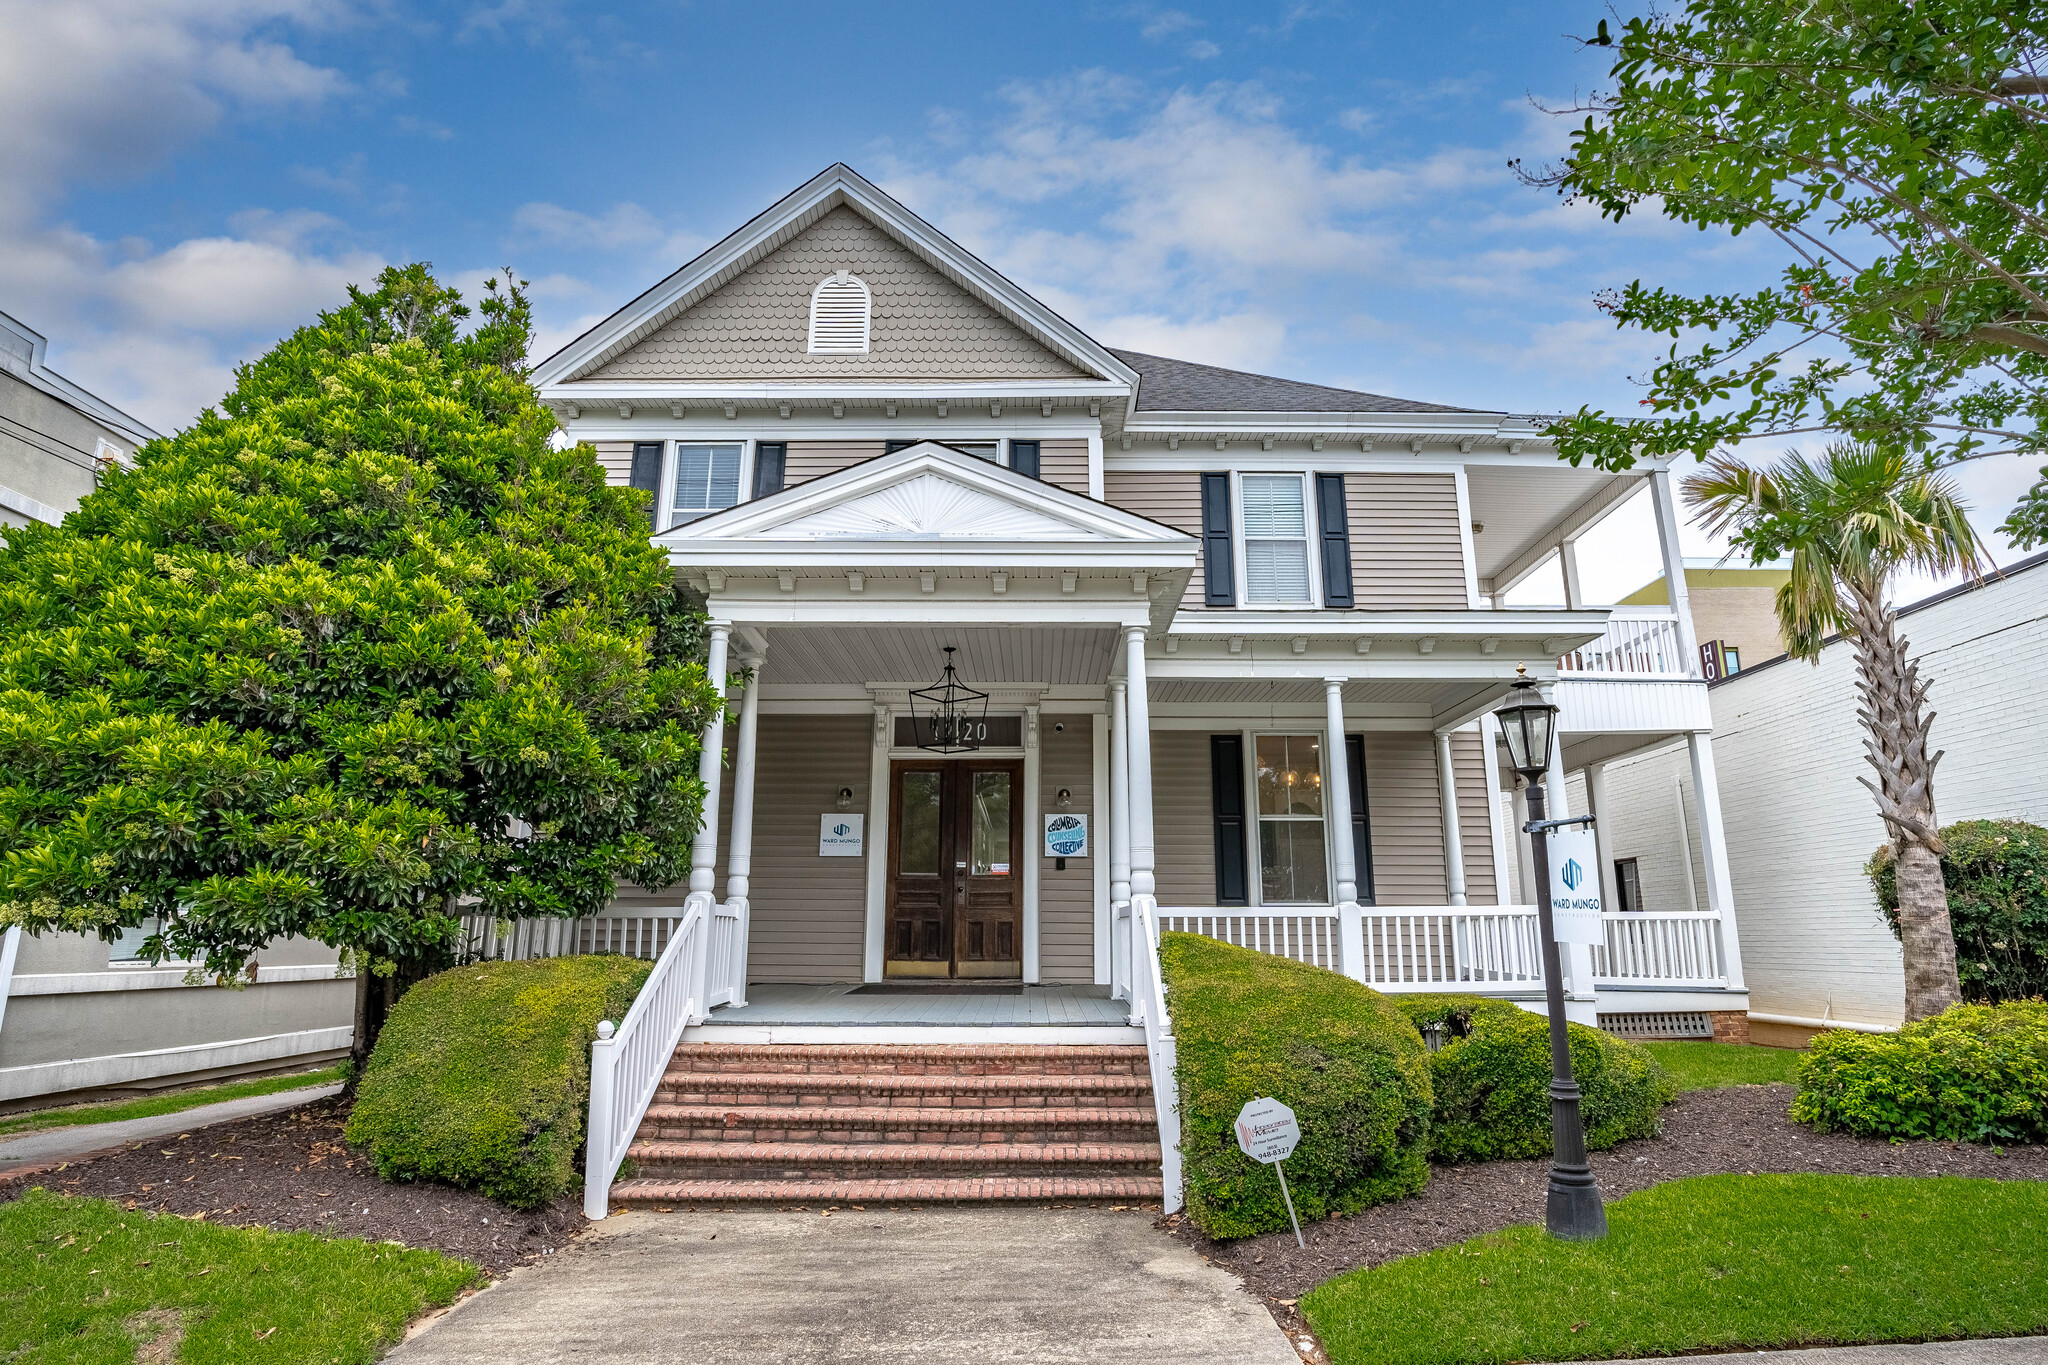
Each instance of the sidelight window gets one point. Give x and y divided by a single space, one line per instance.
1293 843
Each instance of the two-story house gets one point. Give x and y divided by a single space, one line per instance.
1238 637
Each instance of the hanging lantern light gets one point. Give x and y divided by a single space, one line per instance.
949 717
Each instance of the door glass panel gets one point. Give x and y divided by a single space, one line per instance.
917 851
991 853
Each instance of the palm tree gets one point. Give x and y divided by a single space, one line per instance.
1850 520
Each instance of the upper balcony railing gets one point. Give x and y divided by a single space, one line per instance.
1639 642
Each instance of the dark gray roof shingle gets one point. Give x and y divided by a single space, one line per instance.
1183 386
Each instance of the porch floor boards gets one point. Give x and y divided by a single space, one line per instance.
837 1004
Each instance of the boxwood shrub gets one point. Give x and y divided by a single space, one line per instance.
1492 1081
1973 1073
481 1076
1345 1060
1996 872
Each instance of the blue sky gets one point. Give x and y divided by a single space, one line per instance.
1316 190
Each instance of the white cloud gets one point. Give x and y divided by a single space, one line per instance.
230 285
625 226
1203 50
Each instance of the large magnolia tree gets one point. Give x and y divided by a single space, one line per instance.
353 654
1897 150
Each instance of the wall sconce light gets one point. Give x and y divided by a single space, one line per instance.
846 798
1064 799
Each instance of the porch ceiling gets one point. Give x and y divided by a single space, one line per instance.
1058 656
1524 507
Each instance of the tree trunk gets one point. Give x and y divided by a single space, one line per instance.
1897 723
375 996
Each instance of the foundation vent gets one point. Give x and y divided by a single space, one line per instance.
1682 1024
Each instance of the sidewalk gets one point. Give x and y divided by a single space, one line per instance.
54 1145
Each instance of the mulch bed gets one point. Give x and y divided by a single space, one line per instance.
1741 1131
291 1171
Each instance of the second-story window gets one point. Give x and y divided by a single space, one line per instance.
707 479
1276 558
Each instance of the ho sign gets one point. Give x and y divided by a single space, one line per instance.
1267 1131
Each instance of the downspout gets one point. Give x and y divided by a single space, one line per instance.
10 948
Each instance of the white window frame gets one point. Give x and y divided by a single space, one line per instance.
1312 541
670 470
1256 890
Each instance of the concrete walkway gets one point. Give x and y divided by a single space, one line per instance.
1992 1351
763 1287
80 1140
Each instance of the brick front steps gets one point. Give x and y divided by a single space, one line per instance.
786 1123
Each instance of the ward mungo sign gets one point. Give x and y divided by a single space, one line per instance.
1575 887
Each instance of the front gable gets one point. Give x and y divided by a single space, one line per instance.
757 326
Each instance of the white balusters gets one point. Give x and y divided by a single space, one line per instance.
1638 645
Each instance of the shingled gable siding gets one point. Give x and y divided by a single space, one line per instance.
1406 552
809 460
1066 900
757 326
1170 497
809 913
1064 463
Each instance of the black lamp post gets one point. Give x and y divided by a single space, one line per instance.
1573 1211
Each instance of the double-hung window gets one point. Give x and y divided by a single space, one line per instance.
1276 540
1293 858
707 480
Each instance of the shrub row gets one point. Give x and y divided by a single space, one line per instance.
1974 1073
1996 872
481 1076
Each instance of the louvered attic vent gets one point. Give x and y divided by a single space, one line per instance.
840 306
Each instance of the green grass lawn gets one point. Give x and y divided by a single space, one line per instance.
84 1283
1723 1261
174 1102
1715 1066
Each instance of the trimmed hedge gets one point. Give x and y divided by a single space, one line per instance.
481 1076
1492 1081
1344 1059
1996 872
1973 1073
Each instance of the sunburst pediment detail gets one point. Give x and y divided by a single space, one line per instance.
926 506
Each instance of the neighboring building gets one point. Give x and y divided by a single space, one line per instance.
79 1015
1240 628
1734 610
1801 826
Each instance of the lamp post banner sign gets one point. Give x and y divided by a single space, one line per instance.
1575 887
1267 1131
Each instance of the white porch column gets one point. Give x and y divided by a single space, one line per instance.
1568 564
1143 887
1119 797
1454 839
1706 790
740 857
1337 796
1503 859
1525 866
1603 838
1665 504
711 771
876 841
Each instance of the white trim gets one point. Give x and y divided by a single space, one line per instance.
36 374
86 1073
1801 1021
160 979
914 1035
1098 851
875 931
1466 548
1095 463
29 507
1033 841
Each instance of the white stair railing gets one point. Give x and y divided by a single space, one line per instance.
1149 1001
627 1063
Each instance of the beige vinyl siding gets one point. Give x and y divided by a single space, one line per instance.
1406 550
757 326
1407 817
617 459
1064 463
1174 498
1066 900
809 460
1183 818
809 913
1475 826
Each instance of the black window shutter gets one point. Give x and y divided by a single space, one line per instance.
647 474
1361 819
891 447
1219 566
1336 540
1024 457
1226 795
769 459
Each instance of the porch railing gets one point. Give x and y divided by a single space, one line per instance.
1650 948
1638 642
1145 988
627 1063
1303 934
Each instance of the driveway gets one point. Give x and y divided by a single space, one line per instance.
788 1288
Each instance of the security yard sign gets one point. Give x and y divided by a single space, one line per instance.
1267 1131
1575 887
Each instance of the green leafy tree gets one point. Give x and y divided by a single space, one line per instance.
1898 151
1850 520
357 652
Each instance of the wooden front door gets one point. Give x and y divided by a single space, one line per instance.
956 868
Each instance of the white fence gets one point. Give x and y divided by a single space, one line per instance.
1638 642
1305 935
1644 948
493 940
